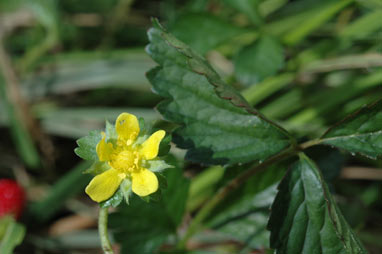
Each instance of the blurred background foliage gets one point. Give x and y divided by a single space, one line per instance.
67 66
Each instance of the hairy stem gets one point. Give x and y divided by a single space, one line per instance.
236 182
102 230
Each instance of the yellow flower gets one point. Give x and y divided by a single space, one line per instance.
126 158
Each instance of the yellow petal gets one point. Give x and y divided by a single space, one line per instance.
150 147
127 127
145 182
103 186
104 150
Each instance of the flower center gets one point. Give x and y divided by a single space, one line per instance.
125 161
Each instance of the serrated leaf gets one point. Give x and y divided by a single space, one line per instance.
359 133
218 125
203 31
258 60
87 146
304 217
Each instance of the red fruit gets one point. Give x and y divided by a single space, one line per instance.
12 198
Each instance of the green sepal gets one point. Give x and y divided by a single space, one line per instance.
125 187
111 133
114 201
97 168
87 146
157 165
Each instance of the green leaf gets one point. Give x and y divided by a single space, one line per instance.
364 26
143 233
176 193
242 216
156 221
87 146
203 31
21 137
304 217
359 133
218 125
248 7
326 11
203 186
13 236
258 60
165 145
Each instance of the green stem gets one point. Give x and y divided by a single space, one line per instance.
102 230
236 182
310 143
222 193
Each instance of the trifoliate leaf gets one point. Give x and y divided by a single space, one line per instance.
87 146
359 133
217 125
304 217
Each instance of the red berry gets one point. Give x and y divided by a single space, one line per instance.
12 198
